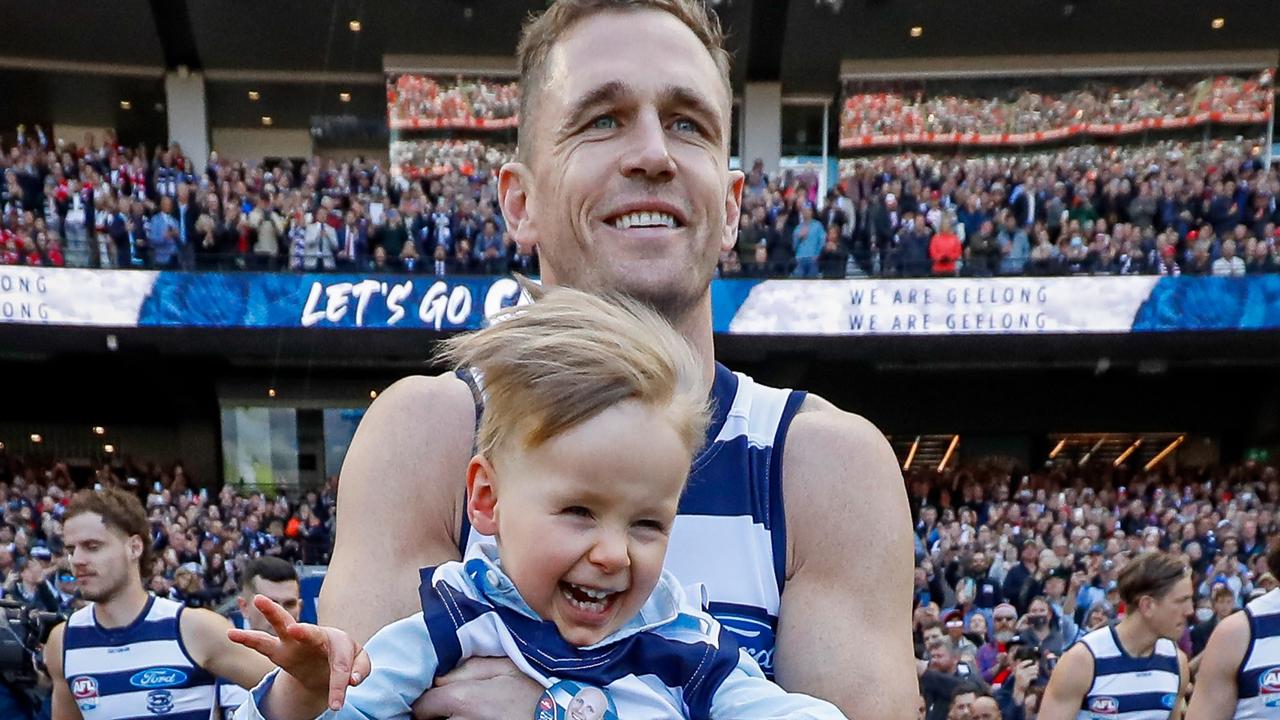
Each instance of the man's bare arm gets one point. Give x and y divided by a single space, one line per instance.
1215 694
845 627
400 502
64 703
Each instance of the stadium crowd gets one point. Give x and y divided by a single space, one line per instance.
105 205
893 109
1012 569
1171 208
202 541
440 103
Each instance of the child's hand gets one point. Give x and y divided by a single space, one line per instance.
323 660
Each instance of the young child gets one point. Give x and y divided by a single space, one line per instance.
594 410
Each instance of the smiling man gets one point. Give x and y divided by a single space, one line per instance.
795 519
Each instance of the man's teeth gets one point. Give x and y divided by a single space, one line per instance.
645 219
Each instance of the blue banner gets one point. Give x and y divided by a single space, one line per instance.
935 306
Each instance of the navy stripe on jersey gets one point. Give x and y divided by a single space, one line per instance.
1122 664
777 509
1139 702
1264 625
698 668
188 715
95 635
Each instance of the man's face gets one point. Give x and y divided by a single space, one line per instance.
1223 606
589 704
931 634
284 593
631 117
985 708
1168 615
941 659
962 707
103 558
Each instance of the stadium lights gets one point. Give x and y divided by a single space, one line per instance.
126 105
108 448
254 95
917 31
99 430
266 120
1057 448
1218 23
354 25
1125 455
1 446
344 97
35 438
1164 453
911 455
271 392
1092 450
951 449
373 394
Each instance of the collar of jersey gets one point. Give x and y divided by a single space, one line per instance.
484 570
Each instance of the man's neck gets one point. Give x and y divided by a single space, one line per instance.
695 326
122 609
1136 637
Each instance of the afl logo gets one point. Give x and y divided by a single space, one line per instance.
1269 681
1104 705
85 690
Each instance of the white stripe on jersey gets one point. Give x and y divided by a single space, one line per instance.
737 543
1260 699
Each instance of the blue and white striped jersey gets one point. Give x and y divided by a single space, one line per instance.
138 671
1130 688
672 660
730 536
1258 691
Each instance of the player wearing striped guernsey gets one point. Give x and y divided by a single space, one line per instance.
1239 671
622 184
129 654
277 580
1133 670
595 411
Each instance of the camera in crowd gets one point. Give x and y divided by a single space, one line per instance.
24 630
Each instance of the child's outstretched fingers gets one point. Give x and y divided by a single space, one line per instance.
345 666
279 618
264 643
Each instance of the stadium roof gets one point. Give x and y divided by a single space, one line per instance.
304 51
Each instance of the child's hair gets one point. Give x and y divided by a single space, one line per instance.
551 365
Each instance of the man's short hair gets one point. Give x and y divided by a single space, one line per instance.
119 510
1152 573
1222 591
553 365
271 569
944 642
542 32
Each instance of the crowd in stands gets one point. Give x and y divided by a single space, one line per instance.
99 204
438 158
423 101
1170 208
202 539
1012 567
892 109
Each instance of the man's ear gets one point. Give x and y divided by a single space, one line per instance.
482 496
515 183
732 209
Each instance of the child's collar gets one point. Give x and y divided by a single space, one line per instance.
484 569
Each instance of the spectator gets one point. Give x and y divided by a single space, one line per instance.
1229 265
1223 605
321 243
162 236
268 226
806 242
944 249
28 586
833 260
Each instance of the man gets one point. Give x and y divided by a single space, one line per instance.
1134 669
1239 672
29 587
129 653
985 708
276 579
1022 575
962 700
1224 603
162 235
939 681
806 241
621 183
185 215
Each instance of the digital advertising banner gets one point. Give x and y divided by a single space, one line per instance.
951 306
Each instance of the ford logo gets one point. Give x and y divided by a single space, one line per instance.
158 678
753 635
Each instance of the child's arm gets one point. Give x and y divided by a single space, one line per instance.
400 665
746 693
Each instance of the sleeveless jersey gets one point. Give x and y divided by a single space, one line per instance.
1126 687
138 671
1258 682
730 535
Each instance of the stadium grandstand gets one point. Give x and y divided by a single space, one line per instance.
1035 244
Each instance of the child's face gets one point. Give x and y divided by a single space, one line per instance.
582 522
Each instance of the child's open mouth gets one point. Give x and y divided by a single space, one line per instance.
590 601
